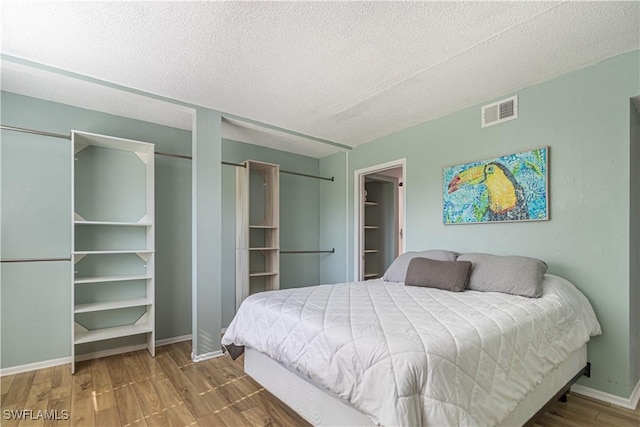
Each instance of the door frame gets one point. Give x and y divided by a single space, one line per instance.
358 209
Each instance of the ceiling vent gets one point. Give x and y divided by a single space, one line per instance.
501 111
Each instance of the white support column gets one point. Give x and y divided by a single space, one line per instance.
206 233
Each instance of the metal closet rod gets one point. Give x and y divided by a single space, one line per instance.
241 165
35 132
34 259
159 153
332 251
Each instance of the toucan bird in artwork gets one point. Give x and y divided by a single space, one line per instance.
506 197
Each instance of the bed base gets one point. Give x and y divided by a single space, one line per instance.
561 395
321 408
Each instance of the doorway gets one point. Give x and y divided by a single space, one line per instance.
379 229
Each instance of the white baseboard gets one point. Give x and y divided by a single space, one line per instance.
202 357
173 340
206 356
630 403
635 396
87 356
34 366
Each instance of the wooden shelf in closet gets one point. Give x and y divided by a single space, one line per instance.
112 305
257 228
125 251
370 227
102 279
114 223
370 275
263 274
115 332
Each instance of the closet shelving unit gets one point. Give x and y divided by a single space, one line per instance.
257 229
368 250
113 254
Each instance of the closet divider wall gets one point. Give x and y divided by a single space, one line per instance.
112 240
257 229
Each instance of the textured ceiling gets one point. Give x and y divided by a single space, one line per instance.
348 72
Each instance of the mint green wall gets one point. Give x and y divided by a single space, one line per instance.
584 117
299 218
206 232
634 242
36 172
333 220
44 231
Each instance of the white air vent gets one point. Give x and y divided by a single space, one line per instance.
501 111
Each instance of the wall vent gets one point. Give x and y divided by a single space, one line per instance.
501 111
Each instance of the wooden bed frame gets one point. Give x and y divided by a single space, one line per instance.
321 408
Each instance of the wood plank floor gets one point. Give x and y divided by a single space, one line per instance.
137 390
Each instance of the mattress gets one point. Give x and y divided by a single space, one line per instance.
408 355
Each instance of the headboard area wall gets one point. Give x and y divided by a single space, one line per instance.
583 117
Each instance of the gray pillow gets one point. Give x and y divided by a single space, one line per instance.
397 271
448 275
515 275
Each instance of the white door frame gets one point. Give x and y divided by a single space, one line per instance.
358 210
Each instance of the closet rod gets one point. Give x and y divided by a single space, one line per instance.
34 259
159 153
308 176
241 165
180 156
35 132
332 251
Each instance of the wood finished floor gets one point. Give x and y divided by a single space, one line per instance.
137 390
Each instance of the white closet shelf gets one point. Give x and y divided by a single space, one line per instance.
370 251
122 224
128 251
370 275
111 236
370 227
112 305
263 226
98 279
371 203
263 273
108 333
264 249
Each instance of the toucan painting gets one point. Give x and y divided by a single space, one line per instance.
508 188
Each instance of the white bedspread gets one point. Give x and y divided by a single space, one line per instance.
408 355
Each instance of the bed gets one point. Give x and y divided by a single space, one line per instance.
384 353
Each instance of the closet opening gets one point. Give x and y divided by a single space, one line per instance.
380 219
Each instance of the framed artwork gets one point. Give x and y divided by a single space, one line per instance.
505 189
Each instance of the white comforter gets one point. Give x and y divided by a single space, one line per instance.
408 355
